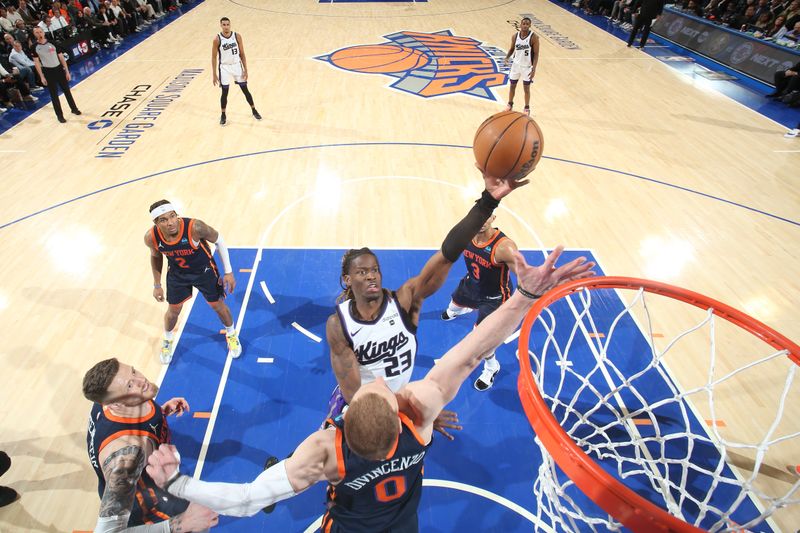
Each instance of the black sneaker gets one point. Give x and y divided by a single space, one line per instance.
7 496
76 112
62 120
446 315
256 114
222 119
271 461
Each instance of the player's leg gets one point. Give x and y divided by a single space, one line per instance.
513 78
491 366
7 494
223 104
526 86
211 287
178 291
462 301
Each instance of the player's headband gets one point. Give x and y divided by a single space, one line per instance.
160 210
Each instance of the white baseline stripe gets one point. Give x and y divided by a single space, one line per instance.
305 332
265 360
267 293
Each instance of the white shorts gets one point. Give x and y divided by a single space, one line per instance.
229 73
518 72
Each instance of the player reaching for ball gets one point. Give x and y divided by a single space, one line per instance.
525 49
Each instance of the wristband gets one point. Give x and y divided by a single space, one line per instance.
528 294
156 285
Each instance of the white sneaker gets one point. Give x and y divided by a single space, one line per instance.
166 351
234 346
486 379
792 133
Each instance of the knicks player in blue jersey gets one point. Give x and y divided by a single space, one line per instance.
489 258
125 427
184 242
372 456
373 332
228 49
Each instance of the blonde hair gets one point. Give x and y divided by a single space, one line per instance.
371 426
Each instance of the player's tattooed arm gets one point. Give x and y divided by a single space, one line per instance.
343 359
201 230
121 470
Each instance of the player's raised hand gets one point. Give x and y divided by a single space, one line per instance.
500 188
540 279
163 464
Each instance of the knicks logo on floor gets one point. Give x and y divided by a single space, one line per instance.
427 64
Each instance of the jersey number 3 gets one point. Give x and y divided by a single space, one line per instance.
397 364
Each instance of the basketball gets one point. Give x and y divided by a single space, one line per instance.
378 58
507 144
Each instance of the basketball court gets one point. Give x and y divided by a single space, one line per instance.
652 172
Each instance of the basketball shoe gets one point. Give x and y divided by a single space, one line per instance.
222 119
490 369
792 133
234 346
256 114
453 311
166 351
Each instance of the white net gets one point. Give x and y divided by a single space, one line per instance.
694 414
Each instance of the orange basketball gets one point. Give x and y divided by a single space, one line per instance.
507 144
379 58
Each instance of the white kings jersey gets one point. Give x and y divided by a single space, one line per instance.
385 347
523 51
229 50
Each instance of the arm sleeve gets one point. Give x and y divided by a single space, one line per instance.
223 254
237 499
463 232
119 524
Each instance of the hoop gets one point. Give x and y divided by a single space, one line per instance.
611 495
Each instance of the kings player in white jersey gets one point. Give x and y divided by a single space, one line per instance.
372 334
525 49
228 49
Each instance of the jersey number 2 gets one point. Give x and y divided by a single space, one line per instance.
181 262
390 489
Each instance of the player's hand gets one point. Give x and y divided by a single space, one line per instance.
500 188
69 77
539 280
163 463
214 80
244 75
176 406
446 420
530 78
195 518
44 82
229 282
158 294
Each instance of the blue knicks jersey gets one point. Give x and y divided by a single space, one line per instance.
183 254
374 496
491 278
150 504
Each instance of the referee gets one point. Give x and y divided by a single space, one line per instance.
53 72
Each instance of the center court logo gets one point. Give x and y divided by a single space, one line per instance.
427 64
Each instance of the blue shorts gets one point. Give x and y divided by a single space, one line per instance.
468 294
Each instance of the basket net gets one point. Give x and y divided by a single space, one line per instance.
656 415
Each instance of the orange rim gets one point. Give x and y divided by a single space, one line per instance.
630 509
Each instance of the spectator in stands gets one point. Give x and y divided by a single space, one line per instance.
75 9
5 24
158 7
693 8
27 14
101 32
59 26
17 87
776 29
20 60
107 19
145 10
794 34
791 14
13 16
127 22
22 35
786 82
621 11
59 10
761 25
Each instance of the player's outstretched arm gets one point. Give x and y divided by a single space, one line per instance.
156 266
343 359
434 273
428 396
306 466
